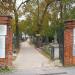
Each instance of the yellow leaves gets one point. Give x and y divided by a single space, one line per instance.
13 25
49 1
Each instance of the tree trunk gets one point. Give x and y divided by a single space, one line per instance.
17 29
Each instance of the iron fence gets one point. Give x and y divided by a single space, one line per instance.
60 35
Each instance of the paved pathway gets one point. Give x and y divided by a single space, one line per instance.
29 58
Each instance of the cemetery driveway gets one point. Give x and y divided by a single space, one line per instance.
29 57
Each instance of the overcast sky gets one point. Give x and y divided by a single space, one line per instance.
19 1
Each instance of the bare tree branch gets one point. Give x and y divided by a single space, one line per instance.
42 18
22 4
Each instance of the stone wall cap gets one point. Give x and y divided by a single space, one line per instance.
6 16
54 44
72 20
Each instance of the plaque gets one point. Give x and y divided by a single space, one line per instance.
3 29
2 46
74 42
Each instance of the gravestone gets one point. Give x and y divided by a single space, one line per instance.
55 38
55 47
5 41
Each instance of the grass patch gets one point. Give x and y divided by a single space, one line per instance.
14 58
45 54
5 69
46 51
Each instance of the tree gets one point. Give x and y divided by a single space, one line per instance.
16 19
10 6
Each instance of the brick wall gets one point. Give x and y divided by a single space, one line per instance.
69 59
8 55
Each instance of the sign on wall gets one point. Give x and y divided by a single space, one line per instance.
74 42
3 33
2 46
3 30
